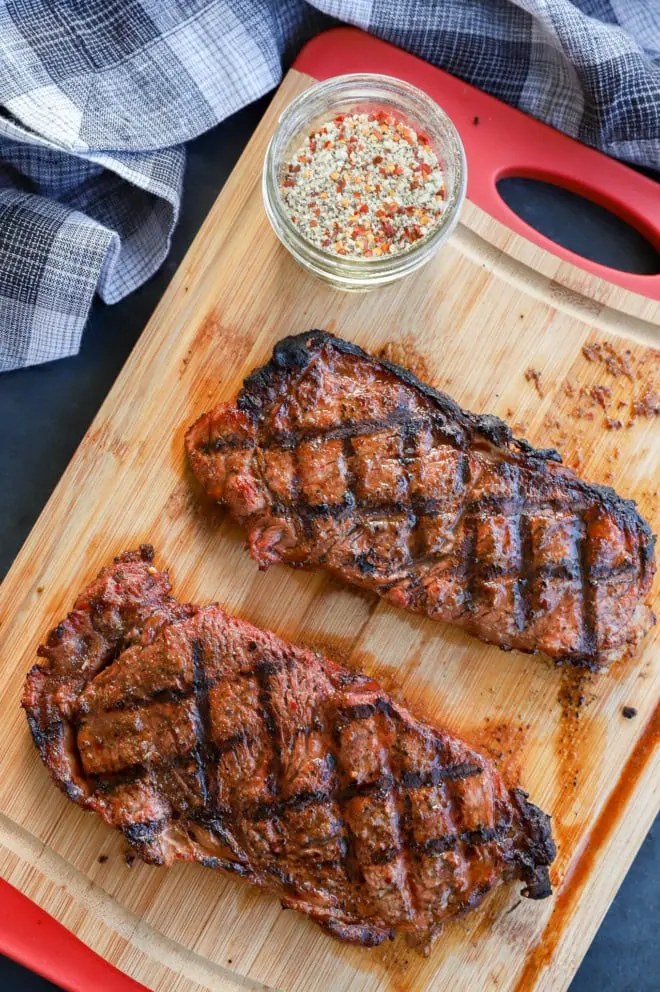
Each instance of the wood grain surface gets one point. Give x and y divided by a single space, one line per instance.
473 322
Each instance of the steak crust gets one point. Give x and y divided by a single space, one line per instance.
330 458
205 739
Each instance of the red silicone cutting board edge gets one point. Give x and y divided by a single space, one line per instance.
34 939
503 142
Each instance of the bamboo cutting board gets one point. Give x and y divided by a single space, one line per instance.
490 308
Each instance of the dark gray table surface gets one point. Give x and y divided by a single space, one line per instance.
45 411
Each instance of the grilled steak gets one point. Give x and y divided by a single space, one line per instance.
331 458
203 738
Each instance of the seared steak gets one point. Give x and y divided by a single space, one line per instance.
331 458
203 738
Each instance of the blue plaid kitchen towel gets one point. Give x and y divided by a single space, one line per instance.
98 97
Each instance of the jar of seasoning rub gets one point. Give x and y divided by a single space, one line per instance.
363 180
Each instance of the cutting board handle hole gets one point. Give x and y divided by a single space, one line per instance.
582 225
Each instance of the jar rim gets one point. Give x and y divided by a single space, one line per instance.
380 89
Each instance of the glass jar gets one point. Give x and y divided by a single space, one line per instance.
363 93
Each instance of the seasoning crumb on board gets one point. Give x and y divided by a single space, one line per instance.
617 362
102 859
629 712
572 696
648 404
533 375
634 394
602 395
130 860
364 185
572 693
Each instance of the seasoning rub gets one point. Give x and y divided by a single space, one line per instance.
365 185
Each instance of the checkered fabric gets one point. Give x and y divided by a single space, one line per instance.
98 97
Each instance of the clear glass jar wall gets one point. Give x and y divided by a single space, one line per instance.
363 93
